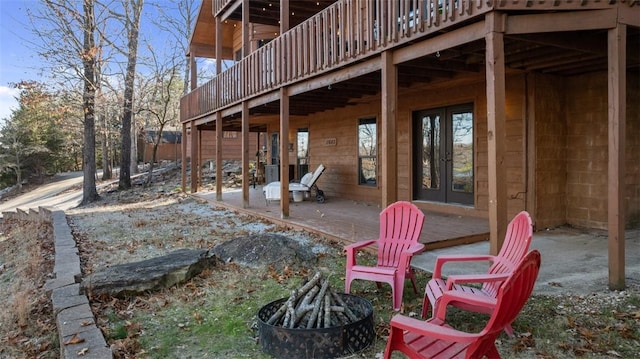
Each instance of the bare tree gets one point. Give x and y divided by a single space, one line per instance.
67 34
131 18
179 29
89 191
162 101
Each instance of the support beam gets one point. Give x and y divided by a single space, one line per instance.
389 151
245 29
218 156
284 152
496 127
617 40
194 71
195 161
218 113
245 155
183 169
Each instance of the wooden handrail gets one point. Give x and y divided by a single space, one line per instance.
344 32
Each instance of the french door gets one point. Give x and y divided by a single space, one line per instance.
443 154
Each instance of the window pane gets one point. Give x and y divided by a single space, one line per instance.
367 139
431 152
462 156
367 151
368 171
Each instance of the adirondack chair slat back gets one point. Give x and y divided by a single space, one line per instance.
512 296
515 246
400 227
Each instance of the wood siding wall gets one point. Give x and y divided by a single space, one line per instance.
341 177
231 147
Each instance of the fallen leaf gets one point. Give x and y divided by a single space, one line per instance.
75 339
83 351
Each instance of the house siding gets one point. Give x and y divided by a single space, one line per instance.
587 151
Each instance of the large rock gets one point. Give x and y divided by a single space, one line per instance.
130 279
264 249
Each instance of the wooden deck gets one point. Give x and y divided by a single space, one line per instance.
348 221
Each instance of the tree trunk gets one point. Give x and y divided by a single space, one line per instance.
132 22
89 192
106 164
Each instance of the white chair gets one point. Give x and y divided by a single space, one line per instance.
307 183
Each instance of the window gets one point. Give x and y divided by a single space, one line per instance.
367 152
229 134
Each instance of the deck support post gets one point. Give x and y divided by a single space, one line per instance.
617 113
284 153
218 114
496 130
245 154
195 157
183 156
389 151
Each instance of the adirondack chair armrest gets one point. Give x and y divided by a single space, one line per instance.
443 259
462 297
353 248
414 249
407 254
475 278
359 245
433 330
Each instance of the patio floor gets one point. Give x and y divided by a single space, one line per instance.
348 221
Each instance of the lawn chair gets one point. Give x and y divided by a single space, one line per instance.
435 339
515 246
307 183
400 227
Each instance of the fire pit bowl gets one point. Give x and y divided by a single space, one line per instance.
317 343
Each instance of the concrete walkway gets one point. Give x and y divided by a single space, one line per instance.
573 261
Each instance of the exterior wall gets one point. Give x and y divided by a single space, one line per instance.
633 150
166 151
231 147
550 151
587 151
341 176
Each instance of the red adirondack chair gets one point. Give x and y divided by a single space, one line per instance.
515 246
400 228
435 339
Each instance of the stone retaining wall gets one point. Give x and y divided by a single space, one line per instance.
71 309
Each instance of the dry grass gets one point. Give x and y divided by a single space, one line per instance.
27 329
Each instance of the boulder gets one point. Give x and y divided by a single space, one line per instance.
135 278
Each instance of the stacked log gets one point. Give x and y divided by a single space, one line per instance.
314 305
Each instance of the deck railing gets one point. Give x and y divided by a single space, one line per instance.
347 31
219 5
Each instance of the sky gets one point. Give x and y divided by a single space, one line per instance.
17 61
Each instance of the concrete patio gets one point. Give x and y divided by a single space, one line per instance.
573 260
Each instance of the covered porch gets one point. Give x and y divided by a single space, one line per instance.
347 221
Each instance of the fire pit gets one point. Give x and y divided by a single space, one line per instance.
336 337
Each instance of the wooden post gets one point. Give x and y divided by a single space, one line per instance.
284 153
219 130
245 28
388 153
195 160
218 114
183 169
194 71
245 155
617 114
496 130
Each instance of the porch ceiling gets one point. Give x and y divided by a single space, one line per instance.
267 12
